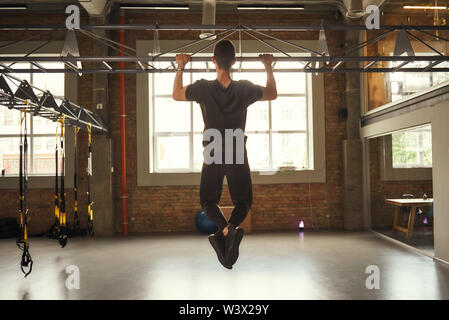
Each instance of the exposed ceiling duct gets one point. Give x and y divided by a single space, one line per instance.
355 9
209 13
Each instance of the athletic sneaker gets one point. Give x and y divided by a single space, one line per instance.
218 245
232 243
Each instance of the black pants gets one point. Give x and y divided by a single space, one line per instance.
239 183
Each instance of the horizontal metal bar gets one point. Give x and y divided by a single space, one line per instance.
330 59
317 70
221 27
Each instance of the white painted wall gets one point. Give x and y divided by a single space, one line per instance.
440 158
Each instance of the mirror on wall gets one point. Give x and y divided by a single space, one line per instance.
401 192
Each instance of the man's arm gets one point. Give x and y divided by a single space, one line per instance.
179 92
269 92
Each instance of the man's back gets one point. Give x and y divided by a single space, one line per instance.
224 107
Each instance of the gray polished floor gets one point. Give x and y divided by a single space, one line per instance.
271 266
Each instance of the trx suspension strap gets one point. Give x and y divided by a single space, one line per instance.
76 222
55 229
26 264
62 213
90 218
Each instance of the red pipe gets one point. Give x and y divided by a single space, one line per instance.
123 194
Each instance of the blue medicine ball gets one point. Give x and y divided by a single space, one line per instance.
203 224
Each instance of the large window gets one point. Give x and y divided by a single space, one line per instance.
412 148
41 140
278 131
402 84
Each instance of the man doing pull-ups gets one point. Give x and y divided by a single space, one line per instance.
223 103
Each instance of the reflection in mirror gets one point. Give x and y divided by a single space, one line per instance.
401 192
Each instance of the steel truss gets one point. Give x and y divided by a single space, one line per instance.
44 104
308 60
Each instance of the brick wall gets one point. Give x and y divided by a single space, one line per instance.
163 209
381 213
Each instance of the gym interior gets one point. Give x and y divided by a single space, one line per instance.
101 167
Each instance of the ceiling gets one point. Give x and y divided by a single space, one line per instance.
96 7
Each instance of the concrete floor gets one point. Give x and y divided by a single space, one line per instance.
271 266
422 239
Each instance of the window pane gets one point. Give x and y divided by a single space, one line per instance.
54 82
9 155
173 152
45 126
250 65
163 82
10 121
289 149
171 115
402 84
288 82
289 113
255 77
412 148
257 146
198 123
211 75
257 117
198 152
208 76
44 156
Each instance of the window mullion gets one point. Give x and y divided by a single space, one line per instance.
270 138
307 124
31 146
191 128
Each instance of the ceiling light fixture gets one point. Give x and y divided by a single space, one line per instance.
355 9
269 7
426 7
13 7
154 6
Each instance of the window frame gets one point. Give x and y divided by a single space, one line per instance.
432 76
390 173
420 147
40 181
191 134
146 175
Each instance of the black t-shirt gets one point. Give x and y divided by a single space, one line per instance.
224 108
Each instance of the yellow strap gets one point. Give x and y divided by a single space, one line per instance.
62 125
90 211
89 129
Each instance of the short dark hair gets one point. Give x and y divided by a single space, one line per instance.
224 54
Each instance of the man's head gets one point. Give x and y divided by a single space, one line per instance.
224 55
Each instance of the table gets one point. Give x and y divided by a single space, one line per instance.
412 203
